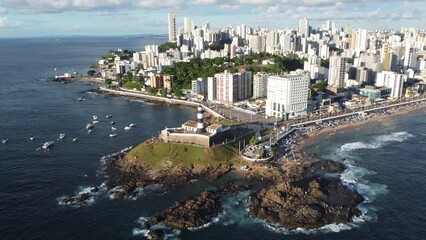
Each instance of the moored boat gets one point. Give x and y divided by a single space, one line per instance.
75 139
62 136
108 116
132 125
112 135
127 128
47 145
32 138
90 126
5 140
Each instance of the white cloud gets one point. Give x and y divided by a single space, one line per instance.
3 10
5 22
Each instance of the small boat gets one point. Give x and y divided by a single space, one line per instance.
62 136
113 128
112 135
127 128
47 145
108 116
90 126
75 139
4 141
32 138
95 117
132 125
80 99
95 121
113 122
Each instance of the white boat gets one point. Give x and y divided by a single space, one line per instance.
127 128
4 140
113 128
47 145
108 116
75 139
112 135
95 117
90 126
113 122
62 136
32 138
89 130
132 125
95 121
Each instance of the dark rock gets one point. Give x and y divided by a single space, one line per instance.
307 203
193 211
156 219
94 190
155 234
147 225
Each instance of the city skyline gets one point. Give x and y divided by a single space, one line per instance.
123 17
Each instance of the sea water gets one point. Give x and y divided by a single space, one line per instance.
386 160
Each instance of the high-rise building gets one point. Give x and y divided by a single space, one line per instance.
211 88
304 27
172 26
391 80
287 95
337 71
260 81
188 25
233 87
361 40
199 86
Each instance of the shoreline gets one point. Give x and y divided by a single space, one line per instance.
310 139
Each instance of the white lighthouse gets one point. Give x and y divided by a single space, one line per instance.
200 122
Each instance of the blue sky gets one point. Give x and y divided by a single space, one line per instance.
23 18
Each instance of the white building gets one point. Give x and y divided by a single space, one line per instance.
171 17
304 27
391 80
337 71
287 96
260 81
361 40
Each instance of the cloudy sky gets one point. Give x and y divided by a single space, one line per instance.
21 18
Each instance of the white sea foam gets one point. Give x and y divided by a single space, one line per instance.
377 142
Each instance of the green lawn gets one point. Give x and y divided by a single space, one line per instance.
176 155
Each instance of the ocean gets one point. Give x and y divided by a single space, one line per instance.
386 159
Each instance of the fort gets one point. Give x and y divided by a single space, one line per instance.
194 132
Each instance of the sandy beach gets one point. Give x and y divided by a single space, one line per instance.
302 140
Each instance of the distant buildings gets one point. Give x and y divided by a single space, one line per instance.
375 93
287 96
304 27
199 86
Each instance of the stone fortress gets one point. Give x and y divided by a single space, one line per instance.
194 132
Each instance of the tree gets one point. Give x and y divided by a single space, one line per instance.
164 92
252 140
152 90
108 82
91 73
166 46
177 92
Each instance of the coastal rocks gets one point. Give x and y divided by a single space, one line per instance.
155 234
192 212
307 203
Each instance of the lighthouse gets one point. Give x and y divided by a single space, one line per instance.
200 122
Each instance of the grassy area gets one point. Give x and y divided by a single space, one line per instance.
225 122
168 155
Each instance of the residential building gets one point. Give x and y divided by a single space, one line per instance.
172 26
260 81
304 27
287 95
199 86
391 80
233 87
337 71
211 89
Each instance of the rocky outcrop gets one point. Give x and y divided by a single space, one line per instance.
306 203
192 212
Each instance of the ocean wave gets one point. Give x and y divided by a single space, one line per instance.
377 142
85 197
143 231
